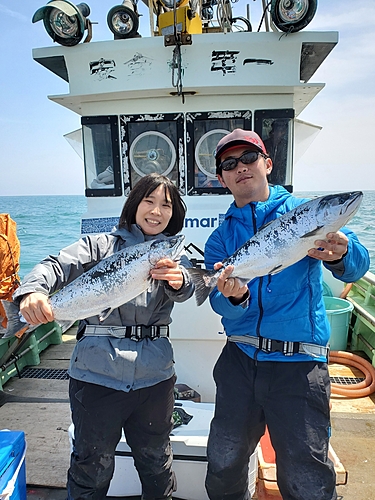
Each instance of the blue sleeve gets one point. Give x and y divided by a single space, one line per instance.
214 252
354 264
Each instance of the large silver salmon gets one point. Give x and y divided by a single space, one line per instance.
282 242
111 283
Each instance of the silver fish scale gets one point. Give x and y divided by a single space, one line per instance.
113 281
286 240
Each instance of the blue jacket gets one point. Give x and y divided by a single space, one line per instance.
287 306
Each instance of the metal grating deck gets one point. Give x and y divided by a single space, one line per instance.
346 380
45 373
62 374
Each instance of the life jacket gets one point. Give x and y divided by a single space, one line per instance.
9 261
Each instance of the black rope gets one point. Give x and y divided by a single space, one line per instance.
177 58
264 13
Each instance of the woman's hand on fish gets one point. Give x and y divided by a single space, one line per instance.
168 270
36 309
331 249
230 287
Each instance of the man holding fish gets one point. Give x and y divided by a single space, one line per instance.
273 369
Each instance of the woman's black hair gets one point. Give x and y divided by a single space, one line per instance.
144 187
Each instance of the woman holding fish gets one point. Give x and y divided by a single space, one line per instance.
121 372
273 369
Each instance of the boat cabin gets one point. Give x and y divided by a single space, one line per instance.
161 104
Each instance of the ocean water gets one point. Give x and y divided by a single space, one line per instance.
46 224
363 223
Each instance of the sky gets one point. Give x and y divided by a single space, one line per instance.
36 159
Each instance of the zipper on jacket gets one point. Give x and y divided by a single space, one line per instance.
255 229
260 305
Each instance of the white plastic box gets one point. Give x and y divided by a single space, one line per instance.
189 444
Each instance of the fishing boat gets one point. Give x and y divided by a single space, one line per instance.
160 104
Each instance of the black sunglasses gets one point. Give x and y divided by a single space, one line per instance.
246 158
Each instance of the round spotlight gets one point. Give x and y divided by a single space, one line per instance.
123 20
62 25
292 15
64 22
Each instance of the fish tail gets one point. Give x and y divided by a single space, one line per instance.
204 281
15 325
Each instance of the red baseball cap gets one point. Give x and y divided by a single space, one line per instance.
238 137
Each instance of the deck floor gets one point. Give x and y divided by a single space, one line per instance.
46 420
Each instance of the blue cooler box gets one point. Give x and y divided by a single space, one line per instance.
12 465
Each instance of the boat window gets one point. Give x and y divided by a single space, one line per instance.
276 129
101 155
204 131
153 143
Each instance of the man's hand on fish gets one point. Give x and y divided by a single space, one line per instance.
230 287
168 270
36 309
331 249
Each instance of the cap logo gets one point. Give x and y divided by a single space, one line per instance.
253 140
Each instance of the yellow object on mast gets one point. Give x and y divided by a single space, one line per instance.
186 21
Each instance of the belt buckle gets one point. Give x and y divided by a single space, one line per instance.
149 331
146 331
277 346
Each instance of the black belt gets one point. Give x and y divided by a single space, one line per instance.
287 348
136 333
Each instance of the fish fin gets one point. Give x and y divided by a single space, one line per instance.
276 269
204 281
151 284
104 314
314 232
14 326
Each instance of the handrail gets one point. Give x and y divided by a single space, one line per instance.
362 311
370 277
11 357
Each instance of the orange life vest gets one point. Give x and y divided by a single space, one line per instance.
9 261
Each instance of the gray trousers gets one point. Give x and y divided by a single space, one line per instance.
292 399
99 415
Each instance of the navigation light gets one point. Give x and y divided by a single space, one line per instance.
292 15
123 20
65 22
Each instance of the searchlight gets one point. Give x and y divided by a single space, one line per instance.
123 20
65 22
292 15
